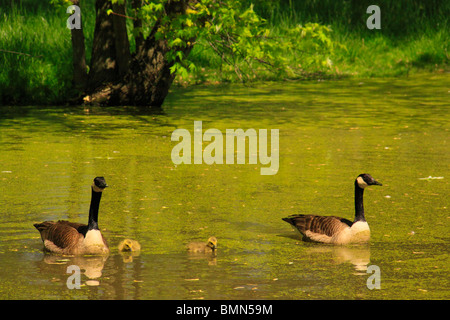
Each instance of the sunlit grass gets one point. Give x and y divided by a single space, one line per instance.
36 56
380 55
37 67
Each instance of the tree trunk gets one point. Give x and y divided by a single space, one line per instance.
79 78
148 78
122 44
103 63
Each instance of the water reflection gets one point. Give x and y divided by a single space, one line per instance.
90 266
210 257
127 256
115 276
358 256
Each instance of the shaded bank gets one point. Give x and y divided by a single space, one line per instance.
40 70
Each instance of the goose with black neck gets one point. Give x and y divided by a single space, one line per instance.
333 229
70 238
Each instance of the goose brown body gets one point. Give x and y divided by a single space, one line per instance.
325 225
70 238
336 230
329 229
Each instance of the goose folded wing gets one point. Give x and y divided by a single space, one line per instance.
326 225
62 234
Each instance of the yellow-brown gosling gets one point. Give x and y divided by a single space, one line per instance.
203 247
69 238
129 245
335 230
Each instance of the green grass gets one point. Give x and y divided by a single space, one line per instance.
359 56
41 73
380 55
38 67
412 39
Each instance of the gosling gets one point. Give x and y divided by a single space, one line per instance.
202 247
129 245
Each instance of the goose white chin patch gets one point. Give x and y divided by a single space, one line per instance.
361 183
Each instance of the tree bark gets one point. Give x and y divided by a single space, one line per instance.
80 75
104 67
122 44
148 78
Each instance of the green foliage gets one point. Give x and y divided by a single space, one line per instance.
399 17
61 3
242 40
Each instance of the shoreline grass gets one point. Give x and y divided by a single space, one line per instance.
375 56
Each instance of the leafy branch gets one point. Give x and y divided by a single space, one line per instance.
238 36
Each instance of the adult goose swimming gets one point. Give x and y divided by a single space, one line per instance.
69 238
335 230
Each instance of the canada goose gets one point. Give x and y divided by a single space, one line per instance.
202 247
335 230
64 237
129 245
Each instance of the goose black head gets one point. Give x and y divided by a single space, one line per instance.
365 179
99 184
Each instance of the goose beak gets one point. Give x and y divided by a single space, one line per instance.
376 183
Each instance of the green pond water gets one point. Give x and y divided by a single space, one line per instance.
329 132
